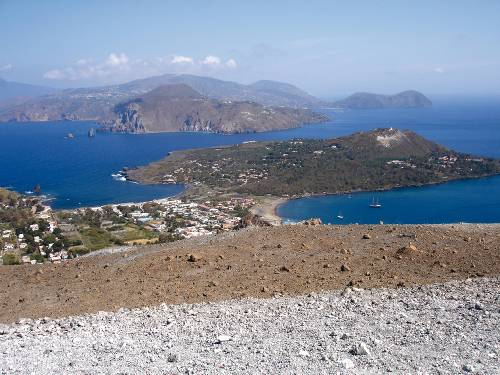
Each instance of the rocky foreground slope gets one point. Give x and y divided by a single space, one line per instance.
255 262
440 329
376 318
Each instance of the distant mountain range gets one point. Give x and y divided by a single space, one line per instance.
178 107
202 104
364 100
98 103
12 90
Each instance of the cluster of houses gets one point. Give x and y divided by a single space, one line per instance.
447 160
197 218
252 175
18 243
191 219
401 164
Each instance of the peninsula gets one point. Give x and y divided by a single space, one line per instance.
377 160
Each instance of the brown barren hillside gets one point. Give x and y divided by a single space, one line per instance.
255 262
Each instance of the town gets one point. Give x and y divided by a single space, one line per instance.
32 232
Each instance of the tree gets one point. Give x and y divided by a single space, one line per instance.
38 257
43 225
48 239
166 237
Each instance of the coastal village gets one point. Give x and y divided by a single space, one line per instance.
40 234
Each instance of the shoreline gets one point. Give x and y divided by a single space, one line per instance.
283 200
266 209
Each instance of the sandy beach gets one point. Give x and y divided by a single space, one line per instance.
266 208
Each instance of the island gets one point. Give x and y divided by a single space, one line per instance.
106 104
178 107
364 100
377 160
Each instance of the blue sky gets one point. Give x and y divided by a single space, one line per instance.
329 48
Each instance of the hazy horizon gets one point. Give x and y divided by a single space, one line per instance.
329 49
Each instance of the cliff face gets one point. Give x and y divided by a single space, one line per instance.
405 99
173 108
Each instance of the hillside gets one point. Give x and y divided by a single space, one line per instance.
6 196
292 299
253 262
180 108
380 159
97 103
405 99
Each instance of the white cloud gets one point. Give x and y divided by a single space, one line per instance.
211 61
231 63
6 67
87 69
215 62
119 67
177 59
439 70
54 74
117 59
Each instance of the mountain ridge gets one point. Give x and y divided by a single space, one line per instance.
179 107
97 103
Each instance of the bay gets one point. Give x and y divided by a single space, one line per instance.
77 172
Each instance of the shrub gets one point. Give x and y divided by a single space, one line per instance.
10 259
166 237
38 257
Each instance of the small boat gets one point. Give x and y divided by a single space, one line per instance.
375 203
340 216
70 136
91 133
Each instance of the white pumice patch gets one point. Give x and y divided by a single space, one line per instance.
444 328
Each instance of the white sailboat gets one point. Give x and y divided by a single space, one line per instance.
340 216
375 203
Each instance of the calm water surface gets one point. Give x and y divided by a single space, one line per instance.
77 172
472 127
471 201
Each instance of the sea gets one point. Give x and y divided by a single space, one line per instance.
83 171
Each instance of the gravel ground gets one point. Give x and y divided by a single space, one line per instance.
444 329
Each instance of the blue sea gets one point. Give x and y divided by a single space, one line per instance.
78 172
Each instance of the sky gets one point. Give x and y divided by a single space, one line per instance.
328 48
